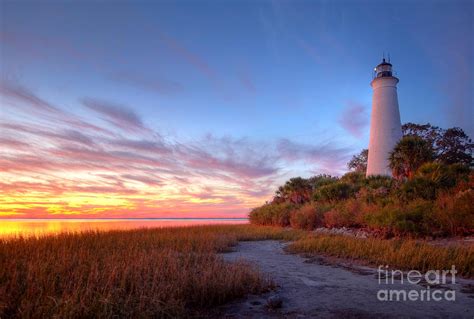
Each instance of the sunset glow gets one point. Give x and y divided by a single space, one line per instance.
148 111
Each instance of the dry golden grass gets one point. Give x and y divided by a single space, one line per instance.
171 272
401 254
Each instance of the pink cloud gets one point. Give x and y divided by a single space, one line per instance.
12 143
325 157
18 97
210 176
354 119
25 97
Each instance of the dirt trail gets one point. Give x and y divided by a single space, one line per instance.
313 288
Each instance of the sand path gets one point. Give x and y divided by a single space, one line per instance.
313 288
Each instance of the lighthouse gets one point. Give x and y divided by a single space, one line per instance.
385 125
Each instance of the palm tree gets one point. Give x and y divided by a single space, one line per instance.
408 155
297 191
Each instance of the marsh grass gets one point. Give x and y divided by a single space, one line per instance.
401 254
169 272
172 272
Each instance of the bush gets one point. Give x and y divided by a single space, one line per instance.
414 218
437 173
418 187
445 176
344 214
354 178
306 217
321 180
272 214
378 181
454 214
333 192
378 196
435 201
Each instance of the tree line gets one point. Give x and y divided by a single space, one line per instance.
430 193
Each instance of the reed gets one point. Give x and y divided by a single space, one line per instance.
169 272
172 272
397 253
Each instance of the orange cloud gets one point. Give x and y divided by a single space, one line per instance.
54 163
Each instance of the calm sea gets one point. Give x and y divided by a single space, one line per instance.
39 227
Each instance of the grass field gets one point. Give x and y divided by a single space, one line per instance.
170 272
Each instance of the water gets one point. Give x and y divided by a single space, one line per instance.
39 227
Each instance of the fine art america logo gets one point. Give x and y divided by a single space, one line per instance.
416 286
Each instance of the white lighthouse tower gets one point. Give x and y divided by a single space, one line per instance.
385 125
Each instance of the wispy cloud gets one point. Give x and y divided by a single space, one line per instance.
323 157
193 59
17 97
150 181
25 97
156 85
246 81
51 166
354 119
311 50
143 145
119 115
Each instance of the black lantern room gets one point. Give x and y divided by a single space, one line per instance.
384 69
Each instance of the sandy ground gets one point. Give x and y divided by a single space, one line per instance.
322 288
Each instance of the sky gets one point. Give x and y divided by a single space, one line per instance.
202 108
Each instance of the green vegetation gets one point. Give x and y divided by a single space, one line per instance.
408 155
171 272
437 201
431 195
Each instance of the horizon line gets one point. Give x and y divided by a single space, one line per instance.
117 218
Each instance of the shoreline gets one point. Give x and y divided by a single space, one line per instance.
308 288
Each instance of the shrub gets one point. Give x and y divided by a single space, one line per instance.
321 180
306 217
454 214
378 195
408 155
277 214
395 219
354 178
378 181
333 192
297 190
437 173
418 187
345 214
461 173
445 176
